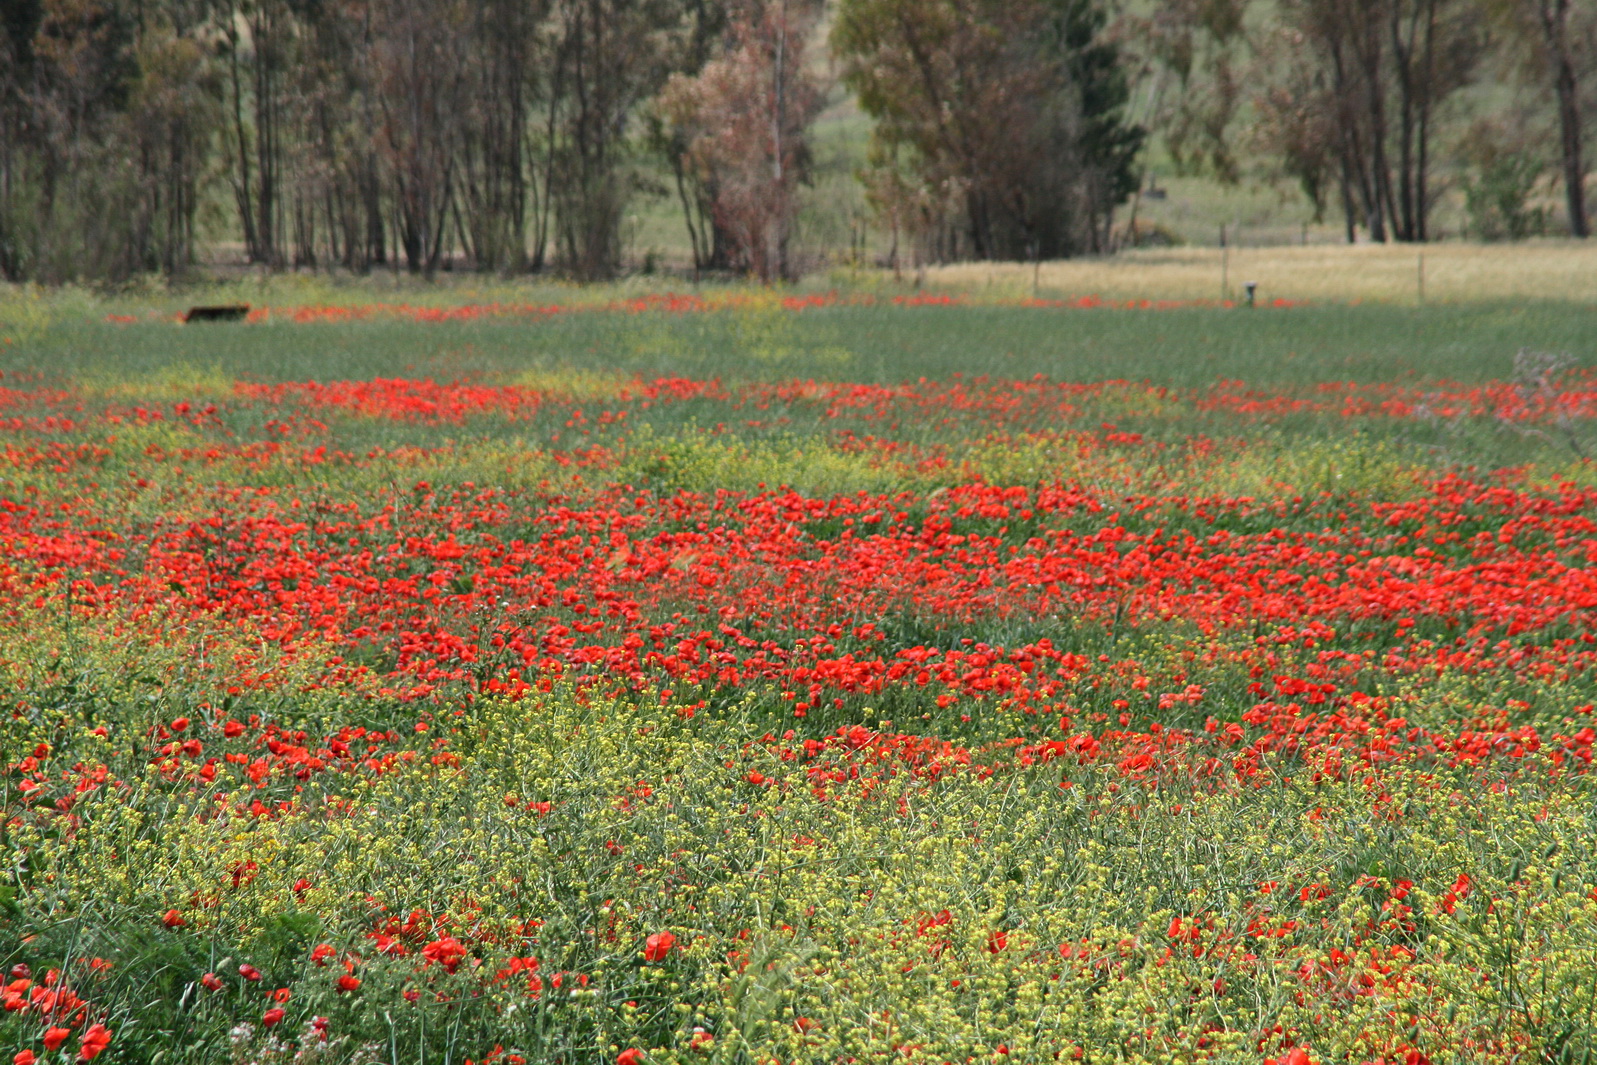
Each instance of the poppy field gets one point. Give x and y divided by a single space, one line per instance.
708 690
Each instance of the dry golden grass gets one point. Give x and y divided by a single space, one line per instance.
1453 273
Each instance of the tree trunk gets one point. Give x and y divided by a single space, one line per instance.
1569 122
1554 16
241 186
1403 219
1422 177
266 149
1384 201
1349 211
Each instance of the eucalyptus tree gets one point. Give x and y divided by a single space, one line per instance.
1003 121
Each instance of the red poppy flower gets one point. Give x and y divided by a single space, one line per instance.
348 983
211 981
631 1056
447 952
272 1016
658 945
22 1057
54 1037
96 1039
249 972
173 919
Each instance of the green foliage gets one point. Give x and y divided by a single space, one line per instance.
1007 121
787 903
109 121
1499 197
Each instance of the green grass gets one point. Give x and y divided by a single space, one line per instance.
585 354
1187 348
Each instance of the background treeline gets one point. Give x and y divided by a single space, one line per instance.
515 135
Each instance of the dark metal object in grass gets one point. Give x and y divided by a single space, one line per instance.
227 312
1252 287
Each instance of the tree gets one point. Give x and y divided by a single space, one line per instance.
740 127
1006 115
1190 59
337 159
609 57
174 112
1296 121
1558 41
1378 70
65 175
499 190
420 66
1097 89
19 21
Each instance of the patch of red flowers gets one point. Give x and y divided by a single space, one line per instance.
1291 618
